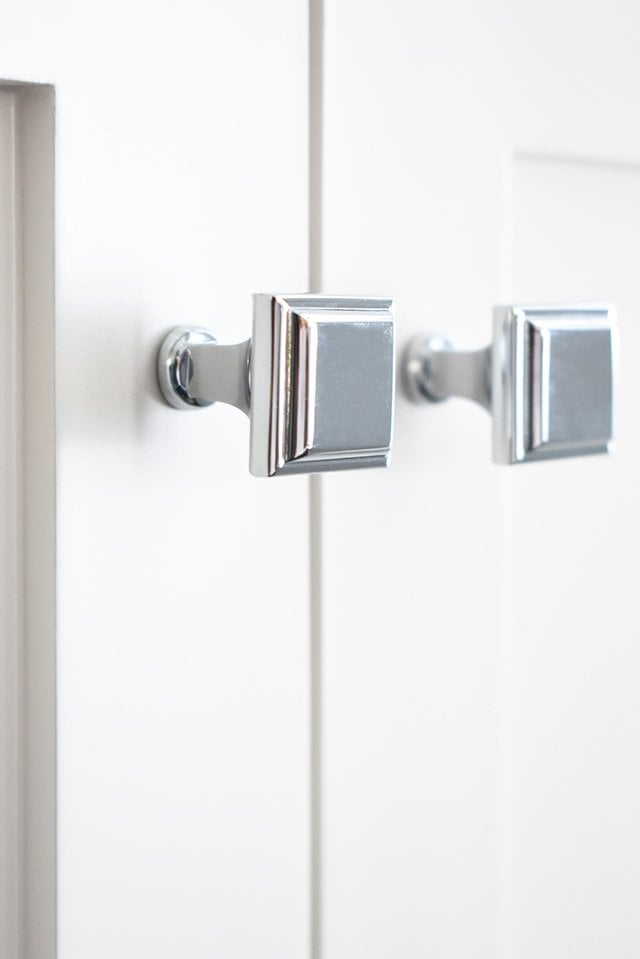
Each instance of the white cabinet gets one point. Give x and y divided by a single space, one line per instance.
385 713
183 605
481 667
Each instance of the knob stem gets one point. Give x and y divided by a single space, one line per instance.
434 371
196 371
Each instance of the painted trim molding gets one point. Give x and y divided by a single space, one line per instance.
27 524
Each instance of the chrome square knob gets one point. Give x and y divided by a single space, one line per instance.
552 382
547 379
322 380
316 380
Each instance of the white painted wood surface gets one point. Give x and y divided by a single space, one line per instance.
473 787
480 630
182 583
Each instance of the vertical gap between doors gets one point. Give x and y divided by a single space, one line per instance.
316 80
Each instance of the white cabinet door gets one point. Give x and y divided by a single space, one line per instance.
183 599
392 716
480 779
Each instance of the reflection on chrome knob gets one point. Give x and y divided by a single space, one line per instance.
316 380
547 379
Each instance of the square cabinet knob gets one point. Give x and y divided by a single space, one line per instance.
546 378
316 380
552 382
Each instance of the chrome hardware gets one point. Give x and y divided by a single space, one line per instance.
316 380
546 379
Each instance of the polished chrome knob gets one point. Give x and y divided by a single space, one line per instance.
546 379
316 380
